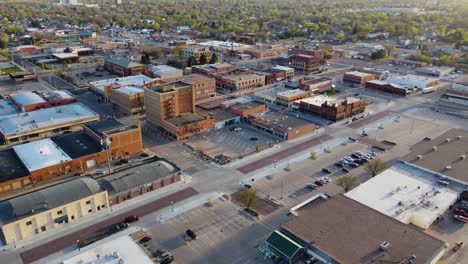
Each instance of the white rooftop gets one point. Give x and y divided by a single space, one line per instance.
283 68
360 74
237 78
7 107
46 118
291 93
58 94
164 69
320 99
135 80
411 77
65 55
119 250
238 100
223 44
129 90
27 98
408 194
40 154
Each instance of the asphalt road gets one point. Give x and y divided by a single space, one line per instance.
253 166
83 234
362 122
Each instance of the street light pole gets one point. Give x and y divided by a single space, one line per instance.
110 202
78 244
282 184
172 206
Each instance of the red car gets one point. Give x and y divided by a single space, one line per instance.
461 212
461 218
132 218
318 183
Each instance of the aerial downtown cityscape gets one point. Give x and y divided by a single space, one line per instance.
233 131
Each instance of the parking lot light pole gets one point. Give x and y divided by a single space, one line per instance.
172 206
78 245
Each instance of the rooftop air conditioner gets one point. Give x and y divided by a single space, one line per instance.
384 246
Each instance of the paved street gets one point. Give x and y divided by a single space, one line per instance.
59 244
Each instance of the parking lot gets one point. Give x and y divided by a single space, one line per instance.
223 236
8 87
83 73
102 108
233 143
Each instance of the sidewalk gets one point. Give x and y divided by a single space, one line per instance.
105 214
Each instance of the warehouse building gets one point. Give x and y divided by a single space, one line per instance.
356 77
21 127
413 81
30 101
332 108
103 88
129 99
282 126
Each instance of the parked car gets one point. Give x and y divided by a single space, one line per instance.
163 257
124 161
339 164
354 119
347 122
364 160
325 180
354 165
237 129
358 153
346 170
318 183
312 186
145 239
253 138
123 226
344 161
191 234
348 158
359 161
462 212
132 218
326 170
356 156
461 218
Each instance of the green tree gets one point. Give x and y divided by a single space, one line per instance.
313 154
214 58
156 26
388 48
178 50
421 57
191 61
145 59
376 166
3 43
257 147
378 55
249 196
347 182
340 36
203 59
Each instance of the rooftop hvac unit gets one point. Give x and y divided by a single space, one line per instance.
460 137
384 246
434 148
448 167
419 157
462 157
447 140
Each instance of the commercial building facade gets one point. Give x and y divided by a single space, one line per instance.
458 94
332 108
243 81
287 98
306 64
413 81
387 87
358 77
203 87
282 126
130 99
122 66
31 101
37 212
196 51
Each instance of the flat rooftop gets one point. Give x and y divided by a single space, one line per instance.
58 95
126 250
449 157
315 79
242 99
107 126
280 122
185 119
291 93
224 44
135 80
64 56
44 119
411 77
318 100
27 98
11 166
129 90
351 233
358 74
408 194
7 107
244 77
77 144
144 174
246 105
165 69
217 113
190 78
40 154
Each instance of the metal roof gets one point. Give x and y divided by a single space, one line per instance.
47 199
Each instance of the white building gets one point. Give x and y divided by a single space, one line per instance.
408 194
165 72
413 81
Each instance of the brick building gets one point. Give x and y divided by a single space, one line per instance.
31 101
203 87
287 98
243 81
262 53
283 126
172 108
332 108
358 77
306 64
196 51
387 87
319 54
211 69
122 66
129 99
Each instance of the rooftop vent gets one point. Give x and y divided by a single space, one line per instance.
434 148
448 167
462 157
447 140
384 246
460 137
419 157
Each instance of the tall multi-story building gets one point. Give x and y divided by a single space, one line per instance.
196 51
204 87
332 108
306 64
172 108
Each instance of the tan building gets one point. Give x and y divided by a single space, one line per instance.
37 212
332 108
243 82
282 126
358 77
203 87
196 51
130 100
287 98
172 108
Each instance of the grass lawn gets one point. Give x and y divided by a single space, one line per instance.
329 93
9 70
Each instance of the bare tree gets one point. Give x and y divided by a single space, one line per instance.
347 182
249 196
376 166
